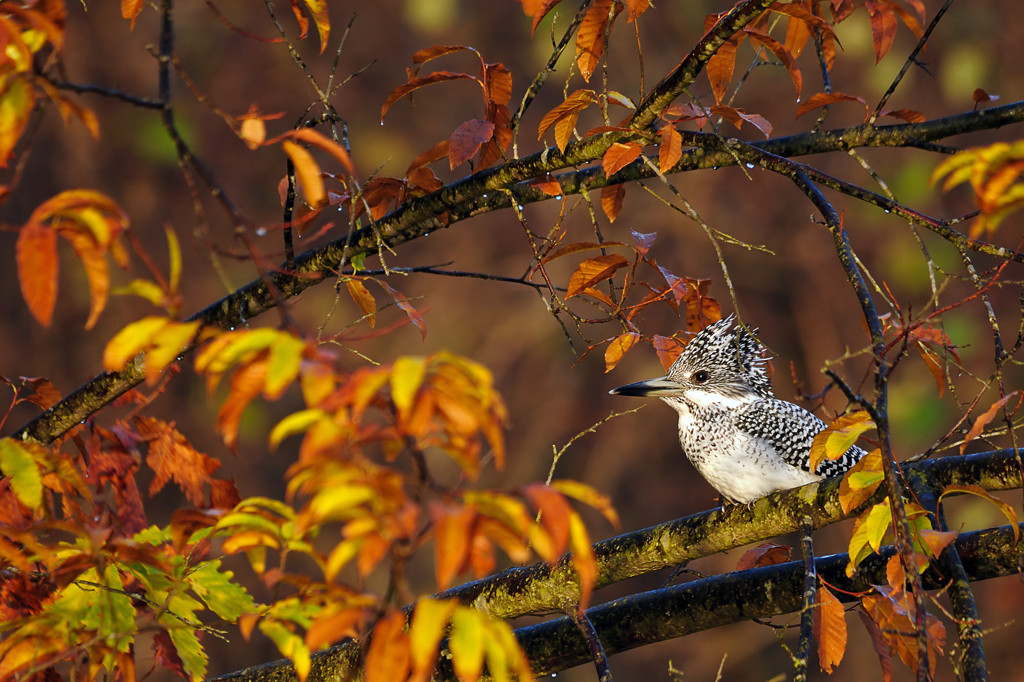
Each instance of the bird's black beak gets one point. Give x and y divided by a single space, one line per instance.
652 388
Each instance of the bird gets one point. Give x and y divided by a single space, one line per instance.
739 436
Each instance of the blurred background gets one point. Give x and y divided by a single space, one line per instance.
793 289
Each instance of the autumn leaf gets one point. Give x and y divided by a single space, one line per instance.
984 419
453 531
466 140
20 463
594 270
619 156
822 99
861 481
537 9
428 626
738 116
667 349
590 37
619 346
671 148
389 657
1007 510
781 52
363 298
838 437
417 83
324 144
829 629
720 67
611 200
308 174
16 103
868 532
36 255
161 339
565 115
883 26
766 554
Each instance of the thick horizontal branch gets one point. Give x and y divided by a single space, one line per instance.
490 190
649 617
543 588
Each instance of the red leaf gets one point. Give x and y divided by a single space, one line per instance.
780 51
619 156
36 255
402 302
668 349
594 270
497 84
611 200
466 140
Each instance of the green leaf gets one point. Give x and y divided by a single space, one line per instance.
220 593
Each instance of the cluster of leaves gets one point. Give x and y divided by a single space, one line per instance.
888 611
994 173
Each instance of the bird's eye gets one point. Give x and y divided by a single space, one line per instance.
701 375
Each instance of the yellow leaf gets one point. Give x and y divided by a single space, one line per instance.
428 626
406 378
838 437
131 341
19 461
583 560
861 481
1007 510
589 496
868 532
167 345
283 367
307 172
295 423
16 102
144 288
467 643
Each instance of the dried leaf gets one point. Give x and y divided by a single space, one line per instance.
590 37
611 200
619 346
984 419
466 140
417 83
619 156
720 68
829 629
766 554
671 149
825 98
737 116
565 115
36 255
594 270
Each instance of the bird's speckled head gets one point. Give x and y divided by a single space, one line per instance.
723 365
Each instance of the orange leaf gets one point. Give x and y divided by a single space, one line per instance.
318 10
883 26
720 68
36 255
171 456
537 9
984 420
246 384
403 303
1008 511
554 513
308 174
619 346
576 247
364 299
611 200
671 149
325 144
130 9
16 102
589 496
590 38
388 658
594 270
767 554
453 529
829 629
438 151
878 644
548 185
619 156
565 115
497 84
417 83
667 348
583 560
95 263
466 140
